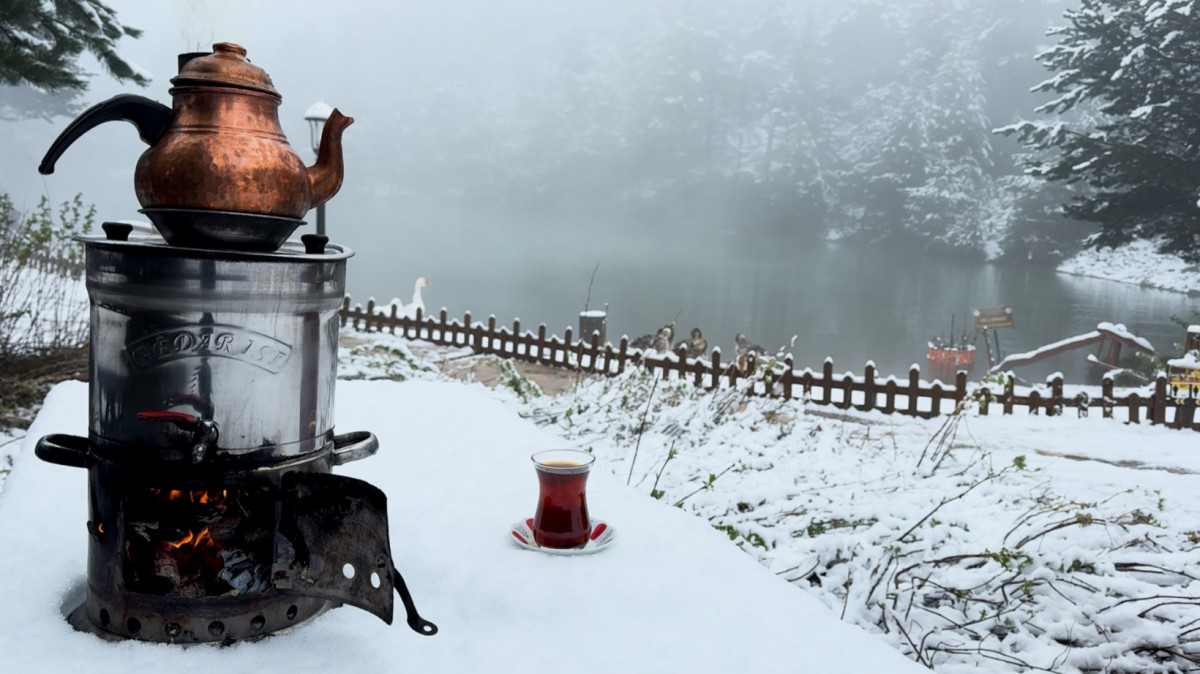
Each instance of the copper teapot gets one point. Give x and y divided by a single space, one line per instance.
220 146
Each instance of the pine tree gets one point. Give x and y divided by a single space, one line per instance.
1125 125
40 43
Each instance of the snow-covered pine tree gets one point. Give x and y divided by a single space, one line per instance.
1126 123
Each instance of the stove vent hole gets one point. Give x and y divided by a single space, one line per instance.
104 617
348 571
173 630
133 625
292 611
216 628
374 580
257 622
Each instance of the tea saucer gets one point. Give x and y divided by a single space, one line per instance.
602 535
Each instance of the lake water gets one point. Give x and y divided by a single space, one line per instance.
848 303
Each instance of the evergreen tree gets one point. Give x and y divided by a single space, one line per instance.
40 43
1125 126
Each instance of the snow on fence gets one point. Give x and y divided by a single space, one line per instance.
779 378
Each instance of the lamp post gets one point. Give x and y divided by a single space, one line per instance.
316 115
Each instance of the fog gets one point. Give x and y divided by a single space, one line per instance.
692 153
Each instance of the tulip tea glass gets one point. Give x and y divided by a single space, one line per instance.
561 520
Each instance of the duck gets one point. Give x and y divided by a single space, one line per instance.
746 349
410 310
660 341
696 346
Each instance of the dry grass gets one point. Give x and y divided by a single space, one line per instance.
25 380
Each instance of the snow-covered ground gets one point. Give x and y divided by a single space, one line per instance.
1019 543
1136 263
967 543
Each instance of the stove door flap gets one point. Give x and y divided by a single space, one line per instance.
332 542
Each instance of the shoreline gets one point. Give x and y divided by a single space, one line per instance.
1136 263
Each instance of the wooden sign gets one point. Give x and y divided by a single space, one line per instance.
990 318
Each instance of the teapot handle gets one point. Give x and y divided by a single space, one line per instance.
150 117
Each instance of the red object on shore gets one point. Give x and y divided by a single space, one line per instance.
946 361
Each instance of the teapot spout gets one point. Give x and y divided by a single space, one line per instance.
325 176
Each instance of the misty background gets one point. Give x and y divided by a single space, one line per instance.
778 167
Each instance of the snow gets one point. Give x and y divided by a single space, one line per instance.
319 111
1121 331
670 594
1138 263
987 540
1117 329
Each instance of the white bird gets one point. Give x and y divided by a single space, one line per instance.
410 310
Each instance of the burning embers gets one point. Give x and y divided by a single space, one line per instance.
198 543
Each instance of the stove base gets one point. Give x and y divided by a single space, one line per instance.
202 630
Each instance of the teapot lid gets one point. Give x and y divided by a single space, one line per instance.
227 66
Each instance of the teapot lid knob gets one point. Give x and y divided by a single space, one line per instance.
229 48
226 66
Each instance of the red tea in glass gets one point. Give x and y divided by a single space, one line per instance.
561 520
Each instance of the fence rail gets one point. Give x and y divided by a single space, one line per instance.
771 377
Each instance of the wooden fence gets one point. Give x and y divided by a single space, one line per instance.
773 377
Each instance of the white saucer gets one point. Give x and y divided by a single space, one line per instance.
602 535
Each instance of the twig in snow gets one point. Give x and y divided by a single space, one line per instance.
951 499
707 485
641 429
654 492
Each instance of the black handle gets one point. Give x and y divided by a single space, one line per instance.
149 116
65 450
414 620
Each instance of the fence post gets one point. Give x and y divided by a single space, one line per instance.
889 396
1055 405
914 389
491 335
1010 392
788 376
960 387
1106 396
370 313
595 351
827 383
541 348
1134 403
847 391
869 387
935 399
1158 401
345 312
1035 402
716 370
622 354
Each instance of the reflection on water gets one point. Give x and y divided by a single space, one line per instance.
848 303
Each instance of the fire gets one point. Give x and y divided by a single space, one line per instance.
193 495
195 539
182 542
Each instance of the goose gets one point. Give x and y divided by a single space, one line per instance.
660 341
410 310
696 346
